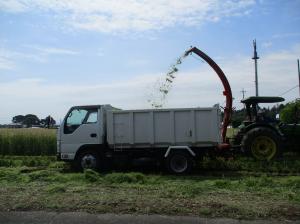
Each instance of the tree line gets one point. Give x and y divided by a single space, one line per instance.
30 120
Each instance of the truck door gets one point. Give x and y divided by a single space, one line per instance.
82 126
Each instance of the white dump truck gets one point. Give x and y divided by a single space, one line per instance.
91 136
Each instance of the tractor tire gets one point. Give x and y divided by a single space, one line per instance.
179 163
262 143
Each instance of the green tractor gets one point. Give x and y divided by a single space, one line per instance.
262 137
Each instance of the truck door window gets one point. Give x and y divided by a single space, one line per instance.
92 117
78 117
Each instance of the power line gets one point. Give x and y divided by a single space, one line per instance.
289 90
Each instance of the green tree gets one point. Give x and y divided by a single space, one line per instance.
31 119
291 113
18 119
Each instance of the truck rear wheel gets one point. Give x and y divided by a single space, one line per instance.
262 143
179 163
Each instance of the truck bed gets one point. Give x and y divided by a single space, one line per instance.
194 127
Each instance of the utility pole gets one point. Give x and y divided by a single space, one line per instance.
298 74
255 57
243 92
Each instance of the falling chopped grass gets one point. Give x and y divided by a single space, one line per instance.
163 86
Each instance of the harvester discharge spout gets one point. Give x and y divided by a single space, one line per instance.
227 89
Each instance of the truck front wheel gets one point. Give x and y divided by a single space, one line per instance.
179 162
88 159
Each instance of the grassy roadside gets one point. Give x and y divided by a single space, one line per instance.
52 187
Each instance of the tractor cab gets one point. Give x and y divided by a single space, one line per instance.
259 135
256 115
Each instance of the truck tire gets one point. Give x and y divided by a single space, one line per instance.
88 159
179 162
262 143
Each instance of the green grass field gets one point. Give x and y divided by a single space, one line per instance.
55 188
238 187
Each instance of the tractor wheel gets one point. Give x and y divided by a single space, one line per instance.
262 143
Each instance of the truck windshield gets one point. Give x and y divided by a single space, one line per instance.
79 116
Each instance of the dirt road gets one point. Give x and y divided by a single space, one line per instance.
82 217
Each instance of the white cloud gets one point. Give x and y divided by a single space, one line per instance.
12 6
55 51
6 63
46 50
200 87
8 57
285 35
267 44
110 16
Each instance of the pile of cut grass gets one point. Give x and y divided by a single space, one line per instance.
213 196
286 165
27 141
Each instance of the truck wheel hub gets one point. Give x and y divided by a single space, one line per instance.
179 163
89 162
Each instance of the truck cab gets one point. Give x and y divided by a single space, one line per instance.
82 126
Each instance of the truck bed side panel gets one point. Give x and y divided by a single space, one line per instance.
162 128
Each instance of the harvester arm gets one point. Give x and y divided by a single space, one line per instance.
227 89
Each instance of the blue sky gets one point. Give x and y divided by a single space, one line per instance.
55 54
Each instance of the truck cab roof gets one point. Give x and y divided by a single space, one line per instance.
105 106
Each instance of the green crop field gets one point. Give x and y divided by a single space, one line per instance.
27 141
